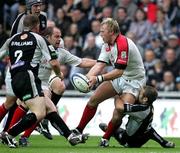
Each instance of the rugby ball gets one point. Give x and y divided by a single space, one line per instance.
80 82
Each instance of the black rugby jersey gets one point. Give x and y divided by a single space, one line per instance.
18 23
26 50
139 122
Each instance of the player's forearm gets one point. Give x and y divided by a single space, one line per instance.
87 63
56 67
96 69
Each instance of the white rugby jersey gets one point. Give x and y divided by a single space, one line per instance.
64 57
130 59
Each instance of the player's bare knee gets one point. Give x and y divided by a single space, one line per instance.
59 88
94 102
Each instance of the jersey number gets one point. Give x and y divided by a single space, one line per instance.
18 55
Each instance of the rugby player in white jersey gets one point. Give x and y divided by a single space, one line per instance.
126 78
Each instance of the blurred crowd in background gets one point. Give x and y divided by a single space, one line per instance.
154 25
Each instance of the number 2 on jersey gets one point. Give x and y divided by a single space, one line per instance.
18 55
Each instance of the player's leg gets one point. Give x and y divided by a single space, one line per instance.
10 101
58 123
28 90
103 92
129 90
57 87
152 134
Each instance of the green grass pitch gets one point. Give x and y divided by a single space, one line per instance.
38 144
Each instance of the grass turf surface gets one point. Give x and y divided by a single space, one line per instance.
38 144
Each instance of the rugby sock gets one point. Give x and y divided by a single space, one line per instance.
28 131
156 137
110 131
55 98
88 114
10 115
18 114
3 112
58 123
23 124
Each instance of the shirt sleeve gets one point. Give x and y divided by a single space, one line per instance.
104 55
47 49
4 50
65 57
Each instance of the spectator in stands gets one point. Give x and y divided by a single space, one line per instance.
10 12
178 83
150 8
70 45
162 26
168 82
107 12
83 23
170 8
170 62
86 8
67 7
158 74
3 35
130 6
173 42
156 45
91 50
149 64
101 4
74 32
123 19
61 21
95 28
141 27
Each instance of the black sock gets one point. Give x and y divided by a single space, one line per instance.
156 137
58 124
10 115
55 98
23 124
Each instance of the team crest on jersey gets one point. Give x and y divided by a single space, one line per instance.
123 54
24 36
51 47
108 49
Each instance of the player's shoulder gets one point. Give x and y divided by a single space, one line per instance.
43 14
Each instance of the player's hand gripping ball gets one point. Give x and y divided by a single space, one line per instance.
80 82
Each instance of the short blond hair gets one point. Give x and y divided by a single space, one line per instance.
112 25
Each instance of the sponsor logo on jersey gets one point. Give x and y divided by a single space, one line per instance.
51 48
28 96
123 55
108 49
25 43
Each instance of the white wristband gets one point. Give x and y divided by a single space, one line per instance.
100 78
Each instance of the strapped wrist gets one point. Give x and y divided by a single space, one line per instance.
100 78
